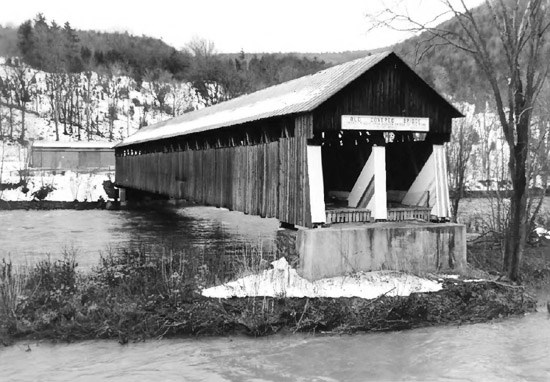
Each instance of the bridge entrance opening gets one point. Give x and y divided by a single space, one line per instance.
388 188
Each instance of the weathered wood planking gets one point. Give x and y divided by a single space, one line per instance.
267 179
389 88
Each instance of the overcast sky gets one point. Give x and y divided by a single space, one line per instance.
251 25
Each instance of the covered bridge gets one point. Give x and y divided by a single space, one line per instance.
359 141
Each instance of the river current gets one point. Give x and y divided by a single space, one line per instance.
516 349
28 236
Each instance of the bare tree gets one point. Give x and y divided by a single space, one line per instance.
515 76
6 93
159 86
180 97
87 97
459 151
207 72
2 84
201 48
111 82
54 89
24 81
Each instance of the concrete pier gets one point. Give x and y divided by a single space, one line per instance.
415 247
122 196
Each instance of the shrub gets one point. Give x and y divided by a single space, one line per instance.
43 192
156 273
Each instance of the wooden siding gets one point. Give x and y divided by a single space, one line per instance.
390 88
266 179
72 159
260 167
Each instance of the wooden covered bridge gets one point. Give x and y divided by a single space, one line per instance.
359 141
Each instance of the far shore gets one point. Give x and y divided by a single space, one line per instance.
57 205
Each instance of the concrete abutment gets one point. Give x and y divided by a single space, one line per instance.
413 247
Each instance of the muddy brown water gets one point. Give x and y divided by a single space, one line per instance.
516 349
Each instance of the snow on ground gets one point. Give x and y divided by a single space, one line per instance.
71 186
284 281
542 232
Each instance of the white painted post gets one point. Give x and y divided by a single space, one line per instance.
316 185
431 185
361 185
422 191
443 209
379 204
369 190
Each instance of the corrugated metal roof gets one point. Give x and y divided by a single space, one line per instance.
74 145
297 96
300 95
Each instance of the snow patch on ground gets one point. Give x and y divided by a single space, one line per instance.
284 281
70 186
542 232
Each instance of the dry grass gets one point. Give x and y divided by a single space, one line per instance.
481 215
12 284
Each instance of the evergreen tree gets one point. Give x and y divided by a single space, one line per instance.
25 41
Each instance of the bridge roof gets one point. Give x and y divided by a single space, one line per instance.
301 95
73 145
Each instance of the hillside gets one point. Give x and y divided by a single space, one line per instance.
448 69
87 85
453 71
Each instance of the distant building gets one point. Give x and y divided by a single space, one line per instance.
75 156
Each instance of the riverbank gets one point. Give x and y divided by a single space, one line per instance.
56 186
485 252
56 205
134 296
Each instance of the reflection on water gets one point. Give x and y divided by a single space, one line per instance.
27 236
513 350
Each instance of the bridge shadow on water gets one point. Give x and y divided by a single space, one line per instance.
222 240
226 244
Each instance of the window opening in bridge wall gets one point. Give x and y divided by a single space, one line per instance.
250 135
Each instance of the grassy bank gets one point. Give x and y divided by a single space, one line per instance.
135 295
485 252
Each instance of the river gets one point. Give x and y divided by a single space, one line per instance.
510 350
28 236
516 349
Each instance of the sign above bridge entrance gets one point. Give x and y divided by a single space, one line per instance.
385 123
